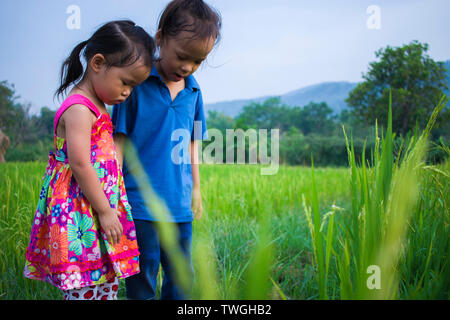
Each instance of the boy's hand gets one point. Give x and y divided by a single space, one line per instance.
197 207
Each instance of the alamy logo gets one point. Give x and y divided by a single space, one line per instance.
213 152
73 22
374 280
374 20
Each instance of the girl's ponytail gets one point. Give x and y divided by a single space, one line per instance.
72 69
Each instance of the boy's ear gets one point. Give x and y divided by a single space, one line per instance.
97 61
158 38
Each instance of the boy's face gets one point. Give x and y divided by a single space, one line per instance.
180 56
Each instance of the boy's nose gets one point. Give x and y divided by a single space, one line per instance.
187 68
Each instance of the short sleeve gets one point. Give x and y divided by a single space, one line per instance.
200 131
124 115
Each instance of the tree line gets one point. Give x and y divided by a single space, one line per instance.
415 82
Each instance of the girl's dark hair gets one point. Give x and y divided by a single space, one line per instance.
121 42
192 16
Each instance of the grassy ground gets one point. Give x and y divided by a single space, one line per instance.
238 203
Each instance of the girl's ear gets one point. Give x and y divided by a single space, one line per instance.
97 61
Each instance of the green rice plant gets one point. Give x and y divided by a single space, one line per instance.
258 272
383 196
247 216
401 205
322 243
425 271
207 285
317 237
19 193
373 236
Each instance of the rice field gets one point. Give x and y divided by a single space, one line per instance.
378 229
235 197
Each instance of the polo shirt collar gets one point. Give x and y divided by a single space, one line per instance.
191 83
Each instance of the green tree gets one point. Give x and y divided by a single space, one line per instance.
14 117
416 81
31 136
45 122
219 120
270 114
7 109
315 118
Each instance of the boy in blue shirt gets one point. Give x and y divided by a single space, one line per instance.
169 100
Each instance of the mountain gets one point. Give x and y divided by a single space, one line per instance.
333 93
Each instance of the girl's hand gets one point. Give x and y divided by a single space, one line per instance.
197 207
109 220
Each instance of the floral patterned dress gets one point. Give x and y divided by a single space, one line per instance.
68 247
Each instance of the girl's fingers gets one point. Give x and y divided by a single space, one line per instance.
108 235
114 234
112 239
118 233
115 237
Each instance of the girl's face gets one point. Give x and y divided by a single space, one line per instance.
113 85
180 56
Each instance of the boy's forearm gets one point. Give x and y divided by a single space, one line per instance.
194 164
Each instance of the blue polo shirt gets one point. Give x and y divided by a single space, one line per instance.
160 129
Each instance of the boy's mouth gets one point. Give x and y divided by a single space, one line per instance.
178 77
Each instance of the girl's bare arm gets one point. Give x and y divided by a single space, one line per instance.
78 125
119 140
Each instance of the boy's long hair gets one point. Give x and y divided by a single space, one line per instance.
193 16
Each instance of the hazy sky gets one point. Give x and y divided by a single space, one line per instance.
267 47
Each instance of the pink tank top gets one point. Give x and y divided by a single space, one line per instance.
70 101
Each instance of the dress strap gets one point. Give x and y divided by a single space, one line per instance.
70 101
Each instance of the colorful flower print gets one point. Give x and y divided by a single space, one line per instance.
56 210
58 245
79 235
68 247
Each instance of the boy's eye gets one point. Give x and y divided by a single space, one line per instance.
184 58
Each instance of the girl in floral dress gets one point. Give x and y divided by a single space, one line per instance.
83 237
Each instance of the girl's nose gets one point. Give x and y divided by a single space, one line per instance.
126 93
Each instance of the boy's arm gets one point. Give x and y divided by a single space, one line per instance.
123 118
197 207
